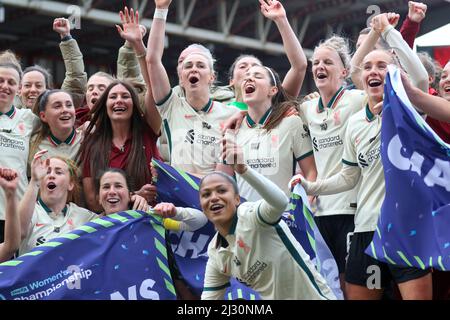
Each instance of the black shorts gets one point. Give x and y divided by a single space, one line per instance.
362 269
335 230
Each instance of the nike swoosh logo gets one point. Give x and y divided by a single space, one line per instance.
39 225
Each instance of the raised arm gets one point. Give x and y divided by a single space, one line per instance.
364 49
344 180
9 181
132 33
408 59
411 26
293 80
75 80
435 107
177 218
158 75
28 202
133 52
275 199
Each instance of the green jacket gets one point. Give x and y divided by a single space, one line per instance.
75 80
128 69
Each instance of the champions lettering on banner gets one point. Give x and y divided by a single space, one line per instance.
119 257
123 256
413 228
300 220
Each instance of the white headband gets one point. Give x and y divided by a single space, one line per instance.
273 75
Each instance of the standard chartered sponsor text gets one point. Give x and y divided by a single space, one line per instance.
373 154
329 142
262 163
12 144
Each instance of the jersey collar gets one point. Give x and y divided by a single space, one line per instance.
69 141
333 100
262 122
221 240
233 224
10 113
47 209
208 107
369 115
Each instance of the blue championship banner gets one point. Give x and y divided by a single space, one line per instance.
119 257
300 220
413 228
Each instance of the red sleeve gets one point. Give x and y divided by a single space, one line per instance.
409 31
86 173
151 149
440 127
81 115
